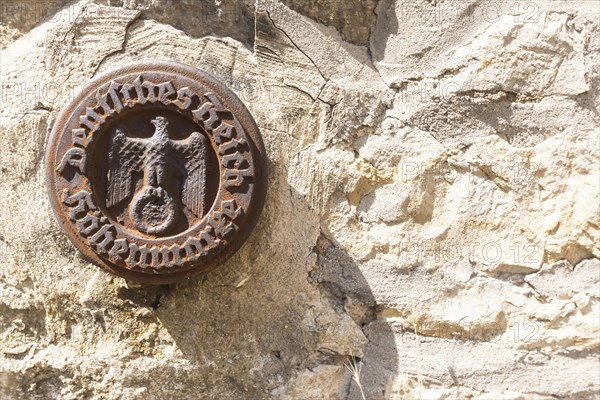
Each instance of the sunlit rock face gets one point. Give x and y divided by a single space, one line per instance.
431 218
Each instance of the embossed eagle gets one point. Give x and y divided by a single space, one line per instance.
159 158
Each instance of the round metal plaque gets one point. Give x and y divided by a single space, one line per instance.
156 171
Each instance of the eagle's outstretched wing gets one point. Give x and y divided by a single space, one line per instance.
125 156
194 151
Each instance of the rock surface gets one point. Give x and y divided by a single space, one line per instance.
432 214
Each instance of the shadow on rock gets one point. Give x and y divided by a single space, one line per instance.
284 317
340 277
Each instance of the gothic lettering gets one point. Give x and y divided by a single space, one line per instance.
171 256
184 98
103 238
125 91
224 132
208 113
223 222
235 177
233 144
230 209
114 97
208 236
234 160
80 136
91 118
193 249
165 90
143 257
87 224
74 157
118 250
80 201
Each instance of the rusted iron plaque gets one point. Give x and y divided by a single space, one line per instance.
156 171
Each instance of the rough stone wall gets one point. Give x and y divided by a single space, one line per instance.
432 214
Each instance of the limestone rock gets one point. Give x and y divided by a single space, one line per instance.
432 212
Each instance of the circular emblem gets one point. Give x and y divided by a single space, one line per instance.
156 171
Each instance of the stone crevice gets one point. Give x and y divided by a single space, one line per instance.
126 34
295 45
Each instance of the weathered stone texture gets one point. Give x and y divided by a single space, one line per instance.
432 212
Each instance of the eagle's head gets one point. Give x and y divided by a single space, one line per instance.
161 126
